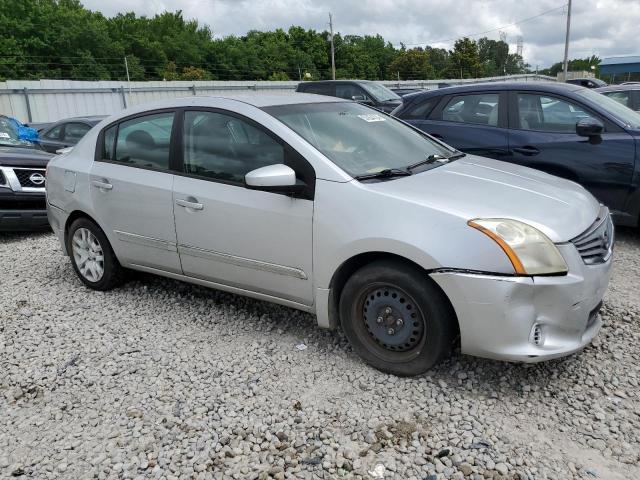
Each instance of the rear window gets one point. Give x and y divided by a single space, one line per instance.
318 88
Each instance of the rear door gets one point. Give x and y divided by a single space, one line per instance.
131 190
475 123
543 136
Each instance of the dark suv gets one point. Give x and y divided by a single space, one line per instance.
562 129
22 182
362 91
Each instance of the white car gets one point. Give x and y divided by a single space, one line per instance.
331 207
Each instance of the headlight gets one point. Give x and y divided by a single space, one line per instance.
529 250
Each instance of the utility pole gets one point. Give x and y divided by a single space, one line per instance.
566 42
126 67
333 56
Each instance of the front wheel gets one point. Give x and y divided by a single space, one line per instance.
92 256
396 318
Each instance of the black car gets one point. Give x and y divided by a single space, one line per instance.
628 94
66 133
562 129
362 91
22 182
587 82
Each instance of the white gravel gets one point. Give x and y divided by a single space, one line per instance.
160 379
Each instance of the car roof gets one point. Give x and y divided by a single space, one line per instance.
551 87
315 82
618 88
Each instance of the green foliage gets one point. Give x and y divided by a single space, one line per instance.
62 39
575 65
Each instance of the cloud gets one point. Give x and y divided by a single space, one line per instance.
600 27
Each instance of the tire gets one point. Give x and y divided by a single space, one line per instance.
106 272
400 297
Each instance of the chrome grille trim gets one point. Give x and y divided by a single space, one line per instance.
13 175
595 245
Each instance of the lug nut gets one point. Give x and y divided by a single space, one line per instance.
387 310
399 322
391 331
379 320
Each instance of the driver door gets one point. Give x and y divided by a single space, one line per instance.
229 234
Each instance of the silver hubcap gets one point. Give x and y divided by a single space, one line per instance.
88 255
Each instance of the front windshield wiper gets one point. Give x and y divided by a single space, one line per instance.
386 173
435 158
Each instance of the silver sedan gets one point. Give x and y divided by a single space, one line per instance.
333 208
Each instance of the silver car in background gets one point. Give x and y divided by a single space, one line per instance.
336 209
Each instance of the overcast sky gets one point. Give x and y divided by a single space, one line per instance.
600 27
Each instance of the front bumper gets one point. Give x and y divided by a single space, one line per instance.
528 319
22 211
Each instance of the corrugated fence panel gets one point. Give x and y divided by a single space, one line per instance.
51 100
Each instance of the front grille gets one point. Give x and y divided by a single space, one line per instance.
30 178
596 244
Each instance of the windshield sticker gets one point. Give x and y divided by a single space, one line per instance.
4 135
372 117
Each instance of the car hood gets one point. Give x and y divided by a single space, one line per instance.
477 187
23 157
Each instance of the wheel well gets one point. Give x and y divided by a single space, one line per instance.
353 264
73 216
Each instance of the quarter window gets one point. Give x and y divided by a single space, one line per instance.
548 114
478 109
421 110
225 147
144 141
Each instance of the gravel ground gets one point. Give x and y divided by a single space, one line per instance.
160 379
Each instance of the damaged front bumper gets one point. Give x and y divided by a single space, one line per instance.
528 319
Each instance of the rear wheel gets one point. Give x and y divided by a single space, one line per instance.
396 319
92 256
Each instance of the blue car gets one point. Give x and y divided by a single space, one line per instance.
562 129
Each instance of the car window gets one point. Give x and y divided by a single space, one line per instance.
480 109
225 147
75 131
548 114
422 109
620 97
54 133
356 138
320 89
144 141
349 91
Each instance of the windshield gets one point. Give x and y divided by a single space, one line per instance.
9 135
379 92
358 139
630 118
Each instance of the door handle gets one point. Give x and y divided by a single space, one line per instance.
187 204
104 185
527 150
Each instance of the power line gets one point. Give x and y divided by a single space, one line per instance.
518 22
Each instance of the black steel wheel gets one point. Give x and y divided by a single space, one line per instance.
396 318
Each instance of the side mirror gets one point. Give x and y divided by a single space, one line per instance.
589 127
274 178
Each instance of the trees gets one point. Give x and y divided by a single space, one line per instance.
410 65
62 39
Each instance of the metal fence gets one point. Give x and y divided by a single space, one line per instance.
51 100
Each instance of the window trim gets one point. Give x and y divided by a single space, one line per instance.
503 100
514 112
298 160
100 140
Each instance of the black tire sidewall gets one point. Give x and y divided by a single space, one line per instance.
112 268
435 308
